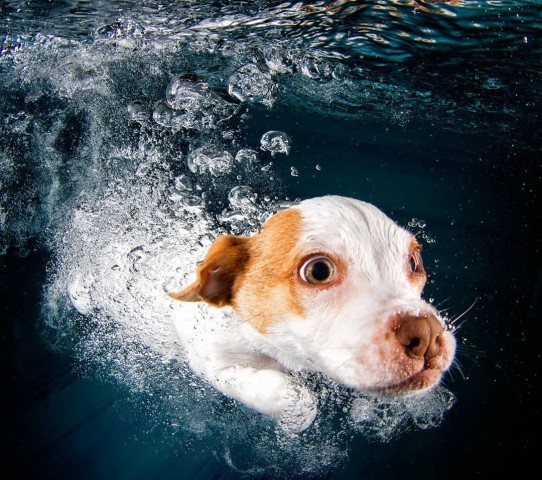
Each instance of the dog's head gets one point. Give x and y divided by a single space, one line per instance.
335 285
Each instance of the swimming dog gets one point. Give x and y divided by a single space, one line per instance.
330 285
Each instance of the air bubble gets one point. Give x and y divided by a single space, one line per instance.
417 223
183 183
206 240
339 72
242 197
427 238
137 111
231 216
276 142
194 105
317 69
186 200
247 156
119 29
212 159
276 62
267 167
183 94
164 115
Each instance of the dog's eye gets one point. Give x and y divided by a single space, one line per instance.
415 262
317 270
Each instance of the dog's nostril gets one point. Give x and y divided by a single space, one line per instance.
419 335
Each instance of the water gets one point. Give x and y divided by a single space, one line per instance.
132 134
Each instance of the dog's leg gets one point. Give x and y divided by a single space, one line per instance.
271 392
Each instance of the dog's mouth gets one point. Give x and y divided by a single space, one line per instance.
416 383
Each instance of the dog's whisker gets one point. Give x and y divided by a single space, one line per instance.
440 303
464 348
472 355
457 366
466 311
343 363
453 322
242 324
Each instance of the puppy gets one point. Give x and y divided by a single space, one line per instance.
331 285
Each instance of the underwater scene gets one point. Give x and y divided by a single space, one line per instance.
133 134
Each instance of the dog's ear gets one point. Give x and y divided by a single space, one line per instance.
224 262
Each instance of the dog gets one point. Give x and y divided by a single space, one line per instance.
331 285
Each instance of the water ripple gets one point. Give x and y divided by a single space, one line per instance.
392 30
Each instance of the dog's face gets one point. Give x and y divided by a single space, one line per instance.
335 285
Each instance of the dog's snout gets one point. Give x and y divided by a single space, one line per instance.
419 335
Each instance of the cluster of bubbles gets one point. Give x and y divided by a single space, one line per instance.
249 83
419 224
190 104
386 419
246 213
210 159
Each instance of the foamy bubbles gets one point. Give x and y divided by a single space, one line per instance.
250 84
385 419
119 29
210 159
276 142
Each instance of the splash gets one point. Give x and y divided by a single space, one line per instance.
131 168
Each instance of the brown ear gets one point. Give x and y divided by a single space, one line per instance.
225 261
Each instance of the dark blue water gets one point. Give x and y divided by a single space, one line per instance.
431 111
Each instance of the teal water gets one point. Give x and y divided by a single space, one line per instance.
431 111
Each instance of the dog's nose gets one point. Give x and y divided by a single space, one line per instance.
419 335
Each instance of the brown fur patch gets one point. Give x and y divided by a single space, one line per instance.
266 290
223 263
257 275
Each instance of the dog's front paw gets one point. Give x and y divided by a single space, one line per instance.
299 410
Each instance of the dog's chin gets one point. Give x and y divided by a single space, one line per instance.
416 384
